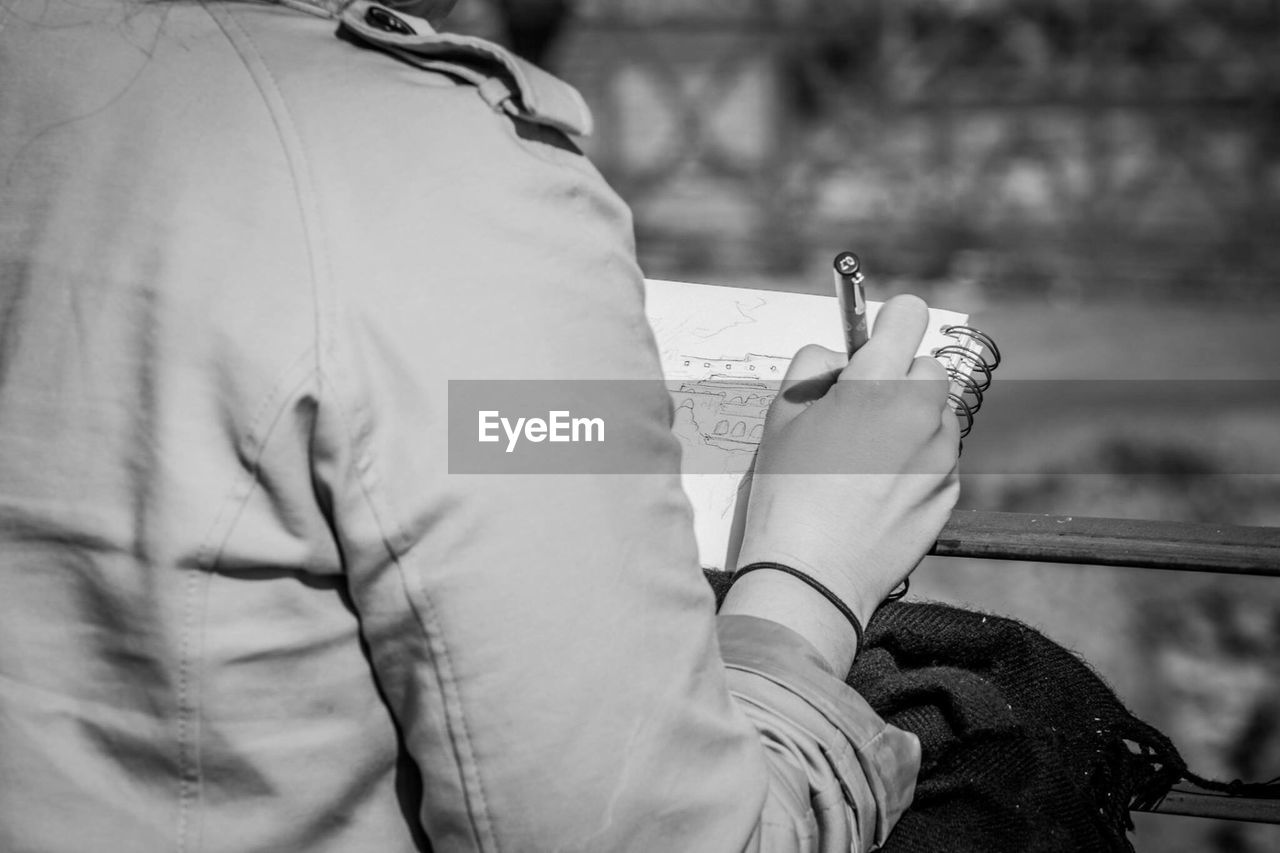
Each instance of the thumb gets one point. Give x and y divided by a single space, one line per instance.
812 373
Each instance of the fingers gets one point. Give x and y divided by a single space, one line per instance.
951 430
928 369
949 436
814 361
812 373
931 388
899 328
931 370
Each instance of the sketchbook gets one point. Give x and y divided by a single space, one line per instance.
724 350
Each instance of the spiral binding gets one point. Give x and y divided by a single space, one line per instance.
969 362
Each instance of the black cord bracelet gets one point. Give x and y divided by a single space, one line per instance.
900 591
826 593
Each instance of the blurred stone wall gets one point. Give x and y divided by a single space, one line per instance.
1028 145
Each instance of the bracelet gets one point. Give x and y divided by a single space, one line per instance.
826 593
900 591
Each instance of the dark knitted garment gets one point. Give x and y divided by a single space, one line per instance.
1024 747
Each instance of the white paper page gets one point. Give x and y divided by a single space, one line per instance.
720 347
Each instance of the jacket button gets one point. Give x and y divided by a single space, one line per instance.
387 22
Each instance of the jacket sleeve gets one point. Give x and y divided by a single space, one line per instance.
546 642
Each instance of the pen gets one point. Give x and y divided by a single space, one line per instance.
853 302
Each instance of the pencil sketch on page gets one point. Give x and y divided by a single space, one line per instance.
724 353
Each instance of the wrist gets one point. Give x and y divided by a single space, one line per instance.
843 584
793 603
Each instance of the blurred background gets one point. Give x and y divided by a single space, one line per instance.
1097 182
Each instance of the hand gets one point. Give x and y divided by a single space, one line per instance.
856 473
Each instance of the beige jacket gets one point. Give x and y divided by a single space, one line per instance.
244 606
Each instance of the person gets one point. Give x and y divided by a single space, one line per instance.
246 605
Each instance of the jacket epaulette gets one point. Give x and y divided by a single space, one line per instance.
504 80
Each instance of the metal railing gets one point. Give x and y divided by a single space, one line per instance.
1230 549
1220 548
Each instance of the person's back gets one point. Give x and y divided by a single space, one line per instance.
246 607
177 644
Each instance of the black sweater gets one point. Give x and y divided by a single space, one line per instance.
1024 747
